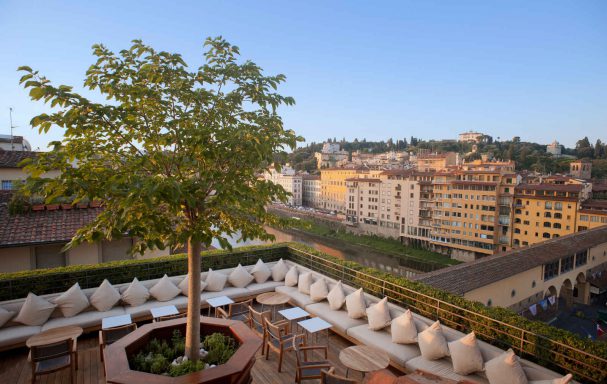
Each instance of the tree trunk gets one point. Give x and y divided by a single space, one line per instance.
192 333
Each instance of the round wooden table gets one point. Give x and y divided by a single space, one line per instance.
363 358
272 299
54 335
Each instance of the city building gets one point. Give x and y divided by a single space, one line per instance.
547 210
554 148
592 214
333 186
470 137
11 169
311 196
386 160
472 210
289 180
330 156
35 239
581 169
427 162
14 143
518 279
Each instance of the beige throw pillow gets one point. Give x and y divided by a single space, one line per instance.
105 297
35 310
215 281
432 343
136 294
561 380
240 277
304 283
403 329
505 369
72 302
261 272
336 297
319 290
184 285
279 270
5 316
164 290
379 315
291 277
356 305
466 355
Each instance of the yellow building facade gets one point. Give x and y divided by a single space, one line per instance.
546 211
333 186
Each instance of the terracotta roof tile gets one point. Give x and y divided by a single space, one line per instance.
466 277
11 159
36 227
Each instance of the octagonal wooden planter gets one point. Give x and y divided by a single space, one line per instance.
236 370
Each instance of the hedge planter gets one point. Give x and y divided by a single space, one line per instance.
236 370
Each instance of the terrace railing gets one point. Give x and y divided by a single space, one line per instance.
543 350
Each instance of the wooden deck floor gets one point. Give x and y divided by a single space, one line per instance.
14 367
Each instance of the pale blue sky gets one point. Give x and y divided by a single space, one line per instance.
374 69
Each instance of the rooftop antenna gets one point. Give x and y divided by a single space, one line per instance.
12 128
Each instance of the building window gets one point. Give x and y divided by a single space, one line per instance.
533 284
558 206
7 185
547 214
566 264
489 302
513 293
116 249
546 235
581 258
546 224
49 256
551 270
556 225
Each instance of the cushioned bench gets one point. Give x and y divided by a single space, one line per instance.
406 357
14 334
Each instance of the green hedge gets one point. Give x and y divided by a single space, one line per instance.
485 321
16 285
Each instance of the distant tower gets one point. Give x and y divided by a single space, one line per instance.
580 169
554 148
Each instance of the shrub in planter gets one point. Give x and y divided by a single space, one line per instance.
166 357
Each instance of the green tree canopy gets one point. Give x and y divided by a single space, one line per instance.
174 154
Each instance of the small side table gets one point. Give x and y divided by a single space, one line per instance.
294 313
219 302
167 310
363 358
315 325
115 321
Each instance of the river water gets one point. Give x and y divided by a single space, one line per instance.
333 247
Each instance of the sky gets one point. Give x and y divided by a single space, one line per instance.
372 69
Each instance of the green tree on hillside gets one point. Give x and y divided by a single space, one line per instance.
174 154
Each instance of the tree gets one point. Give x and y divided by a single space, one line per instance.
599 149
584 149
174 155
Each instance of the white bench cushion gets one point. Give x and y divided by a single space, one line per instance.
442 367
83 319
382 340
339 319
17 334
301 299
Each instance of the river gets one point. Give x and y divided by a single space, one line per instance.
333 247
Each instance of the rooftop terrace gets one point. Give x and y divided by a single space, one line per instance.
554 349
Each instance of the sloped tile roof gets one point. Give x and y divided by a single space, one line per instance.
38 227
11 159
466 277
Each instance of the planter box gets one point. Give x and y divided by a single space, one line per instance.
236 370
66 206
52 207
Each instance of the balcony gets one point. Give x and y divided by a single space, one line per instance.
456 316
504 220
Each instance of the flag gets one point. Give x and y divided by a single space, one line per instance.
533 309
552 300
544 304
